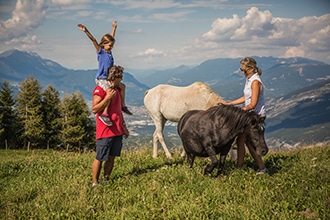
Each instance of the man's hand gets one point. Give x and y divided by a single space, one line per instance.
110 93
127 132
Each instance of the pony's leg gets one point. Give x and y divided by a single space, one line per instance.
191 159
214 160
221 164
223 155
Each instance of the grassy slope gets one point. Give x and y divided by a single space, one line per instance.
43 184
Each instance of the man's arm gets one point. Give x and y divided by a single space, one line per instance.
99 104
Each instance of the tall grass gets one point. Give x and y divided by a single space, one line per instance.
46 184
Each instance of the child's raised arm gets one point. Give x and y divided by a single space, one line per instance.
114 28
90 36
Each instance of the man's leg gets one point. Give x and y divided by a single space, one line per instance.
96 168
108 166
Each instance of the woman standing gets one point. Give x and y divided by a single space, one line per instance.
253 100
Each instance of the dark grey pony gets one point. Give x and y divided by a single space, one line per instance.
210 132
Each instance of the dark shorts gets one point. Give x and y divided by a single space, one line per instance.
107 147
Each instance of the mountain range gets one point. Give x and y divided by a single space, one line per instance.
297 90
17 65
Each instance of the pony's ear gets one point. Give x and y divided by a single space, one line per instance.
253 121
262 119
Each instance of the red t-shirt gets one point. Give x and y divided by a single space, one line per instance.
115 113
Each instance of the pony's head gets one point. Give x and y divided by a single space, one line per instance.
254 133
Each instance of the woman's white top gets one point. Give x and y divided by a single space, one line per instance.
260 107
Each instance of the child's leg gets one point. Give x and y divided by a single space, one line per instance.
122 87
104 117
124 108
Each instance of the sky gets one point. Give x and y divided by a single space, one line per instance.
165 34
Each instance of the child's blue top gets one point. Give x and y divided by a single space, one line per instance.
105 61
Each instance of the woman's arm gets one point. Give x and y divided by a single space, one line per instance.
238 101
234 102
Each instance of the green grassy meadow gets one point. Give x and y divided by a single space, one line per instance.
47 184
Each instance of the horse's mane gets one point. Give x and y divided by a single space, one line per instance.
234 115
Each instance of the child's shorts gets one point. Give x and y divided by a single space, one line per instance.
105 84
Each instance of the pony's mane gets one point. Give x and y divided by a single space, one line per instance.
234 115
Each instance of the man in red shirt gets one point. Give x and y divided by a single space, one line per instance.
108 138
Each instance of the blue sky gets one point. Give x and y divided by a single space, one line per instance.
167 33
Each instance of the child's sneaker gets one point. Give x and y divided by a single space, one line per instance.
105 119
263 171
125 109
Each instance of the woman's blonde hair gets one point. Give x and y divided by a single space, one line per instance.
106 39
252 63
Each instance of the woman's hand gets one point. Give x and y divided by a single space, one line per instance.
223 103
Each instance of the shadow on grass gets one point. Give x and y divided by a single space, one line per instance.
151 167
274 163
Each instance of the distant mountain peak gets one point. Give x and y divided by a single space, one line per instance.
19 53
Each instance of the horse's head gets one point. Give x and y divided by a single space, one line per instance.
254 133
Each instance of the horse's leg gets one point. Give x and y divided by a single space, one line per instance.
214 160
158 136
155 144
158 129
162 140
183 154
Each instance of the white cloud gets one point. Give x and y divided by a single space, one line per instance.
172 17
69 2
222 28
151 52
149 24
147 4
295 51
259 33
27 15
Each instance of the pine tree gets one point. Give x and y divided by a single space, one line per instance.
51 116
9 126
29 110
77 126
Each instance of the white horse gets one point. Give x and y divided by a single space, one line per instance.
166 102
